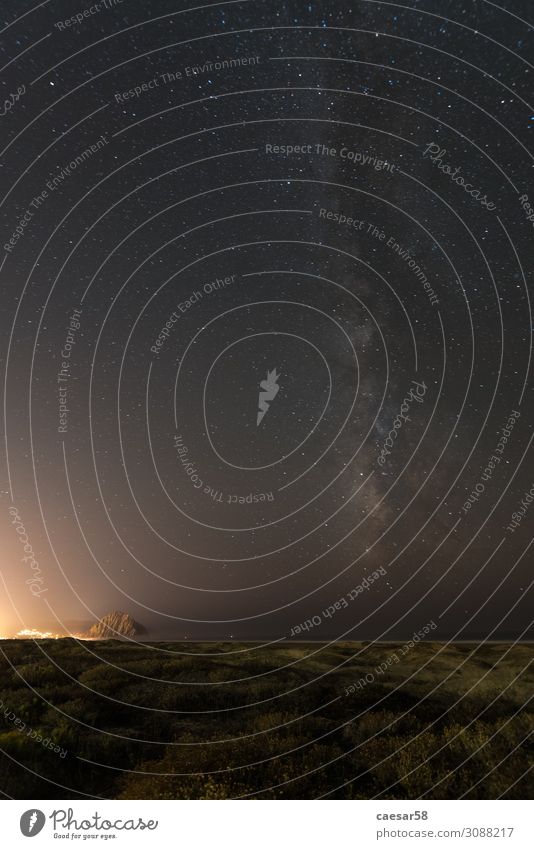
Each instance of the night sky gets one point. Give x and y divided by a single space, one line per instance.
322 212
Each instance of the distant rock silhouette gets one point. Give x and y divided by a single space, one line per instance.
115 625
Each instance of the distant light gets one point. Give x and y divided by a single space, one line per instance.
34 634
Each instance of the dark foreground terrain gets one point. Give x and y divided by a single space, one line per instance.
222 720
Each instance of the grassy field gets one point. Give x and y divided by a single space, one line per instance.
290 721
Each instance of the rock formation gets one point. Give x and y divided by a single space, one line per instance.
115 625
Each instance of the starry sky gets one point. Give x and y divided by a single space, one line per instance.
320 211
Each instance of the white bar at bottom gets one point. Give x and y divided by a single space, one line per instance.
249 824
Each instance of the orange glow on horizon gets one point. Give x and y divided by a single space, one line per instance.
35 634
